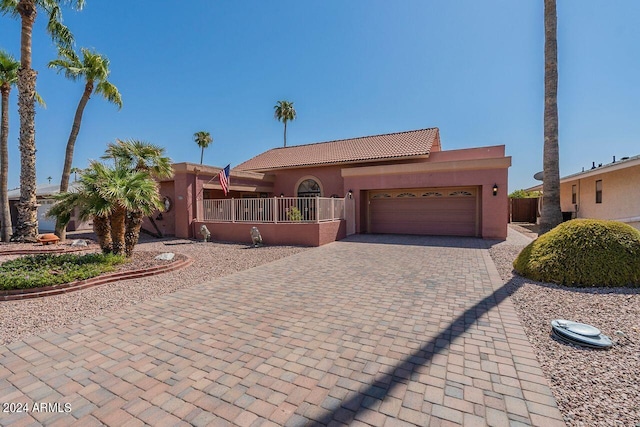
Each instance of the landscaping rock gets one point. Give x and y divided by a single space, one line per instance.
79 243
167 256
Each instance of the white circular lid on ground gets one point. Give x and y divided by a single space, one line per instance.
578 328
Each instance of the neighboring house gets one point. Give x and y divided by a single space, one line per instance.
605 192
394 183
44 196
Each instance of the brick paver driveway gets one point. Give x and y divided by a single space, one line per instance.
373 330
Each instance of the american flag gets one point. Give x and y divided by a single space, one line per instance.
224 179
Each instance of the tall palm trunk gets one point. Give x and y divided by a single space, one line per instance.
102 228
285 133
551 214
132 232
61 230
27 228
118 217
5 213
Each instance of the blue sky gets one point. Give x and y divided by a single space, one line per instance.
352 68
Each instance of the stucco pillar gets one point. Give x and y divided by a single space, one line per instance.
183 205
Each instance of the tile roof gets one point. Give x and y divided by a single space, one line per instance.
377 147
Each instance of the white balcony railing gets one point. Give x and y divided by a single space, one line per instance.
276 209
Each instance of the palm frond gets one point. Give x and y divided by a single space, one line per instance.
67 62
110 92
64 206
9 7
59 32
284 111
76 4
140 155
203 139
39 100
95 64
70 55
9 67
93 67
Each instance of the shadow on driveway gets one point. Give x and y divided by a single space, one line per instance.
403 372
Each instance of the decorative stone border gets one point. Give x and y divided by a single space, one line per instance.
43 250
19 294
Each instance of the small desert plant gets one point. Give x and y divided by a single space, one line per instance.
49 269
294 214
584 252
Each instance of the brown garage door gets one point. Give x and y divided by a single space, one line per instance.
429 211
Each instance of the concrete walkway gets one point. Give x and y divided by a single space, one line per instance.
372 330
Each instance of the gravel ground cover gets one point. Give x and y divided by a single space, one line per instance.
592 387
19 319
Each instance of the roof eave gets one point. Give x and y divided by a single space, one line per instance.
339 163
611 167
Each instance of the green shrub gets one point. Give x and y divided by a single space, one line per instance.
294 214
584 252
48 269
521 194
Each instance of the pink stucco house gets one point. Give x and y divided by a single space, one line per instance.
316 193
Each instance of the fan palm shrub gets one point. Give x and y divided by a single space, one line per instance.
108 195
138 156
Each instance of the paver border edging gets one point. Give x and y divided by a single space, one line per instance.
20 294
42 251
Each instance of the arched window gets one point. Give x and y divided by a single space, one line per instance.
308 188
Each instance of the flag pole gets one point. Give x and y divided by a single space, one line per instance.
202 189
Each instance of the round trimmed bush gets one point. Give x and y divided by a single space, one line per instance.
584 252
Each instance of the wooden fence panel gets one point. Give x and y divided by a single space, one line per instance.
524 210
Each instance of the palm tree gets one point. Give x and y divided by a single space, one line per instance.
94 68
9 67
74 171
109 195
128 191
138 156
551 214
8 77
27 227
203 139
284 112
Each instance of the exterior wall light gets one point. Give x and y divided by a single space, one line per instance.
495 189
350 194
